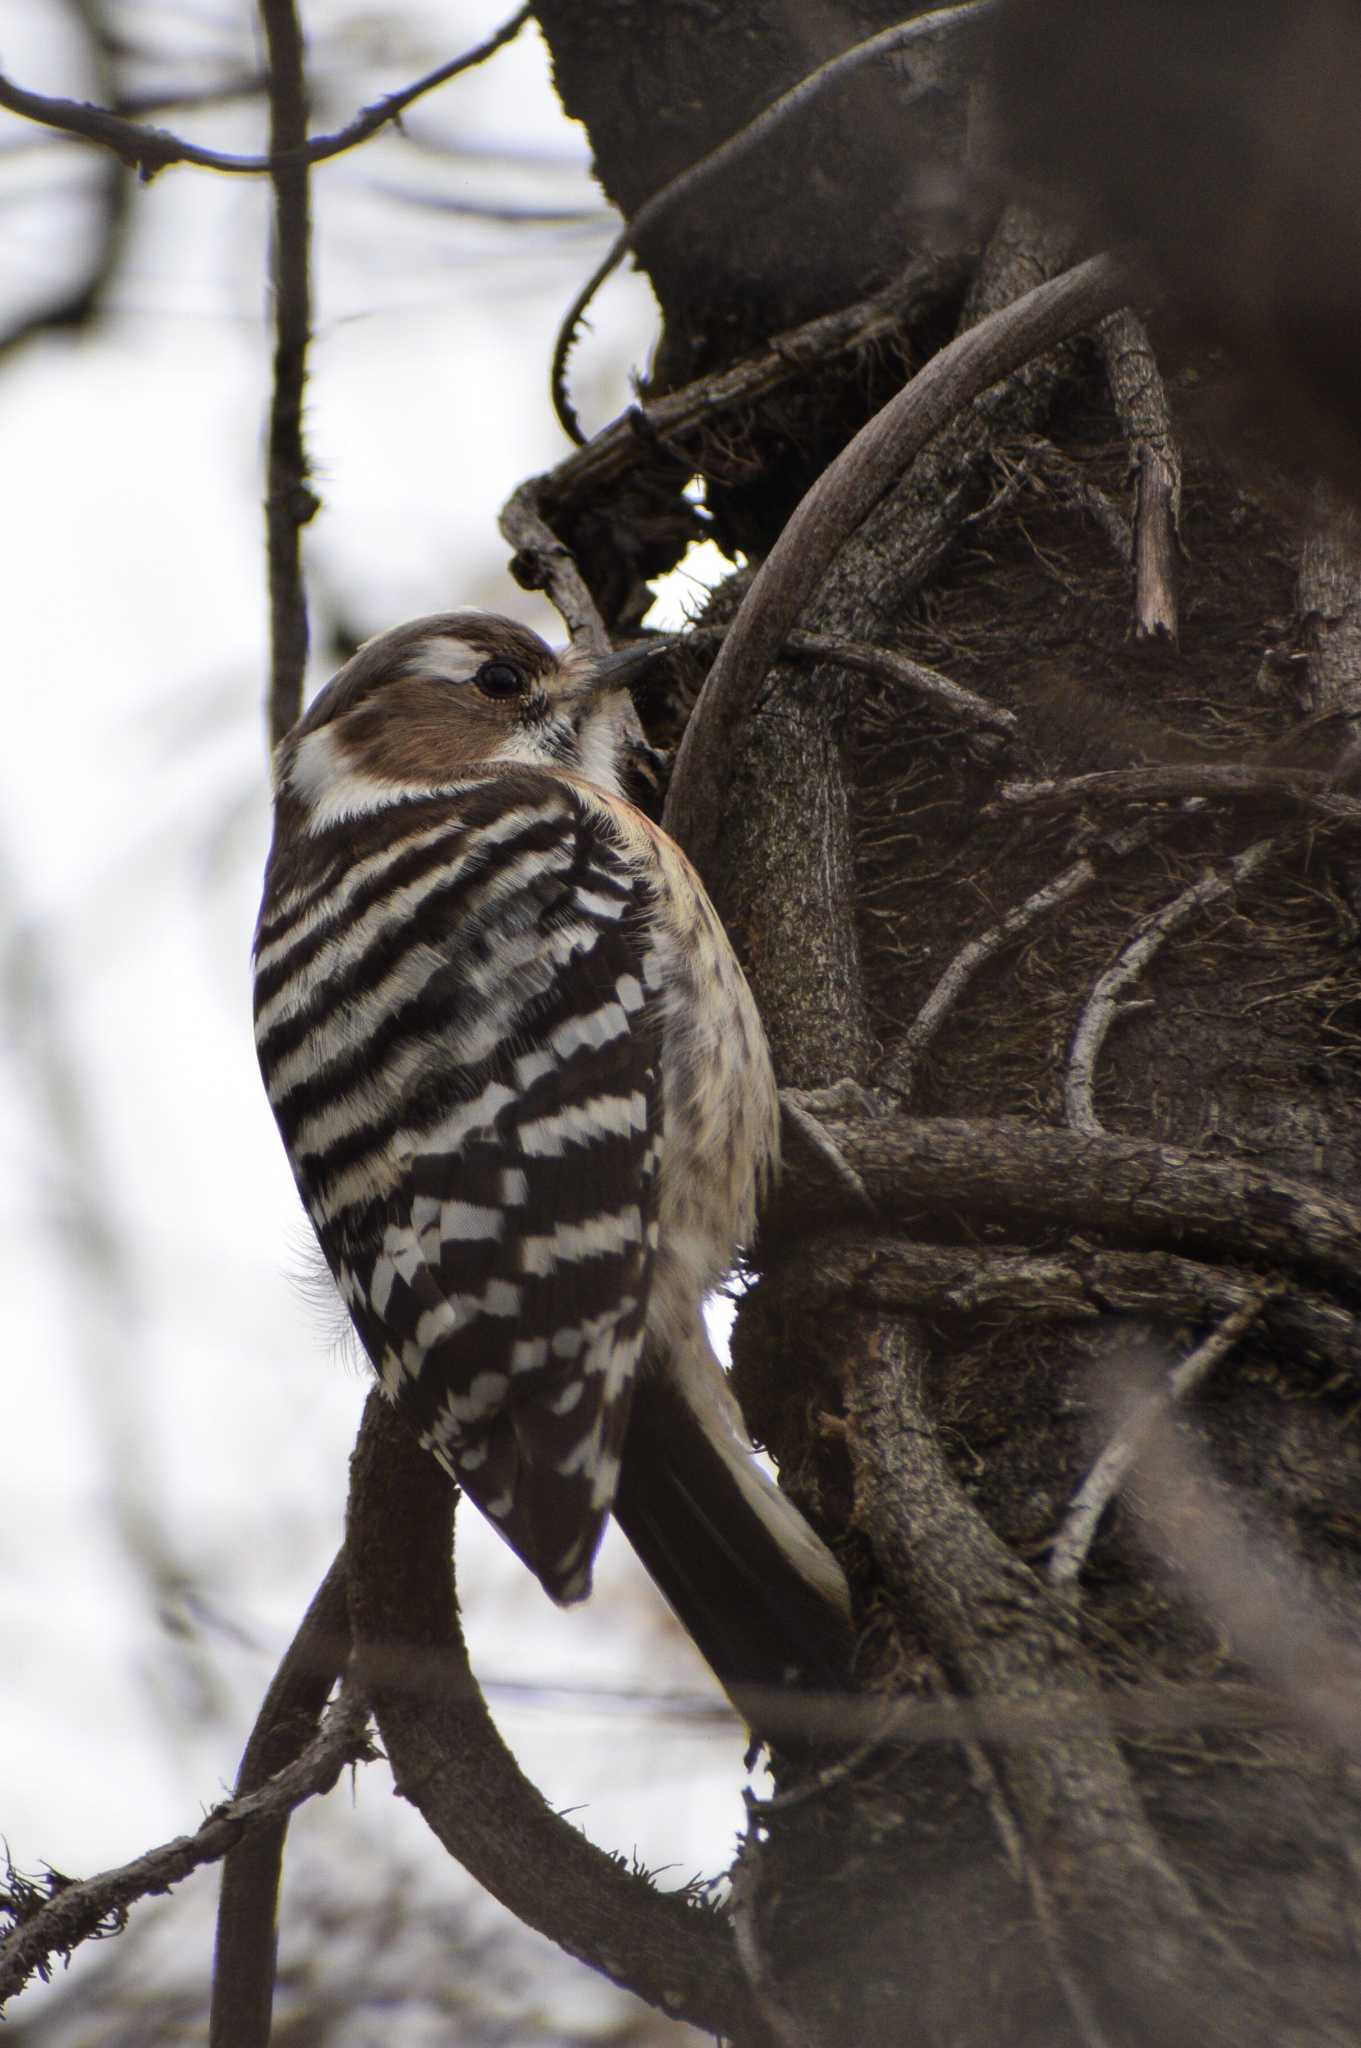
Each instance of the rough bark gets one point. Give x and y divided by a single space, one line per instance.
1087 1189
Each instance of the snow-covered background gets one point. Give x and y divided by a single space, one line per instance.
177 1413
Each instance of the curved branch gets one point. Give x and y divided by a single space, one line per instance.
149 150
1099 1012
837 503
243 1966
1092 1858
900 1068
79 1911
450 1762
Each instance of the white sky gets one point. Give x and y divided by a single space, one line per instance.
169 1375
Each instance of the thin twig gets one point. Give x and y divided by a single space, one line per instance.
900 1069
149 150
78 1910
1308 789
725 154
1101 1008
1077 1532
243 1966
1155 463
289 499
835 506
886 665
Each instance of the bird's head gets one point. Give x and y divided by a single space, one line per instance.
424 706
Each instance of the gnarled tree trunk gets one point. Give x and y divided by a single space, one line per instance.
1107 1779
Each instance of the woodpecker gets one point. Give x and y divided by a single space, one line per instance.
529 1107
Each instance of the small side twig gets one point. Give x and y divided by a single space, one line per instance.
1077 1532
78 1910
1155 464
243 1965
900 1069
1102 1005
289 499
542 562
725 155
154 149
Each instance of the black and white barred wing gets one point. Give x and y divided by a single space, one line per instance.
478 1145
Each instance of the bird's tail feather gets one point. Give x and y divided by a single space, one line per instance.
760 1595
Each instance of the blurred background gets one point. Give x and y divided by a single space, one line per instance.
179 1401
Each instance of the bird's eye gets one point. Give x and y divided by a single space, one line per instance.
500 679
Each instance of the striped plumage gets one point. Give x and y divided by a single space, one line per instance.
530 1111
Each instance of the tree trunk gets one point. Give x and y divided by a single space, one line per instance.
1116 1801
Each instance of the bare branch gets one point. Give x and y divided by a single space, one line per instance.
289 499
1134 1189
543 562
1101 1008
149 150
997 1631
1078 1530
1008 1283
1307 789
836 504
900 1069
886 665
722 158
79 1910
243 1967
450 1761
1155 463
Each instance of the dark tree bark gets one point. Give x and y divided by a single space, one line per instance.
1143 1043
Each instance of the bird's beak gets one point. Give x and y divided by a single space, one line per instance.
622 669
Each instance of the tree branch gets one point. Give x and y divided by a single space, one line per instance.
997 1632
449 1760
149 150
1307 789
1135 1189
78 1911
1155 463
1071 1545
247 1913
289 499
1007 1283
901 1067
730 152
1101 1008
837 503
